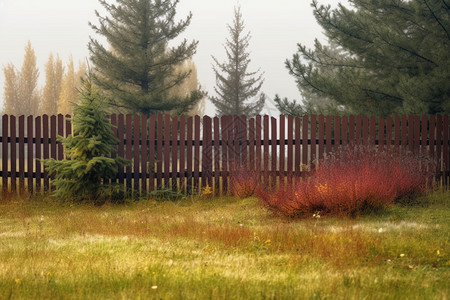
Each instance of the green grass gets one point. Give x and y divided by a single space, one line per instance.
221 249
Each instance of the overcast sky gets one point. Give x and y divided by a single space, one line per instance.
61 27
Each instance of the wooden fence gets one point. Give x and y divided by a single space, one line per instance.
188 153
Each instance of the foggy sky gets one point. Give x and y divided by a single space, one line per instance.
61 27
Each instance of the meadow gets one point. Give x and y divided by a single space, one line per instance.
223 248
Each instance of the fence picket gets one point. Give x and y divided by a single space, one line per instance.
45 144
266 150
30 156
197 161
321 136
388 133
290 144
166 158
207 152
439 142
358 129
329 139
128 151
258 129
251 144
344 131
243 138
274 153
424 136
38 147
5 153
381 133
21 154
216 156
404 137
397 130
182 161
159 151
13 154
337 133
120 150
301 143
151 153
282 167
445 150
416 134
313 142
372 131
144 150
136 160
59 145
410 125
351 129
224 133
365 130
174 151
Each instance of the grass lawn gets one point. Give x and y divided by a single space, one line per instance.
221 249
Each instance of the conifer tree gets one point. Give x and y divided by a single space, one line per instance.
85 174
383 57
237 89
138 70
53 77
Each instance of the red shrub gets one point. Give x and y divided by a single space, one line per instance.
355 180
243 182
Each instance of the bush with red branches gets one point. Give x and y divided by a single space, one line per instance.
355 180
243 182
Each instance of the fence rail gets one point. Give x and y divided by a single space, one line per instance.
188 153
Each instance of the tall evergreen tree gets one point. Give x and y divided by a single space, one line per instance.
383 57
237 89
138 69
53 77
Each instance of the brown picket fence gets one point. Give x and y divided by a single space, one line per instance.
188 153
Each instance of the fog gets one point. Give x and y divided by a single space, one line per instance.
61 27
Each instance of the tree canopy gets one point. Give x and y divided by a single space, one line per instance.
21 93
236 88
138 69
383 57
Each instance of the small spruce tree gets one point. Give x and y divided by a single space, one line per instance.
85 174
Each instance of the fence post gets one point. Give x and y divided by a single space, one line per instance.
5 154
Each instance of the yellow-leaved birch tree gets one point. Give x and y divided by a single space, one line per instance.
54 71
70 85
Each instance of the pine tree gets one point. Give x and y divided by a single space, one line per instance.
383 57
138 70
71 83
52 89
85 174
235 86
